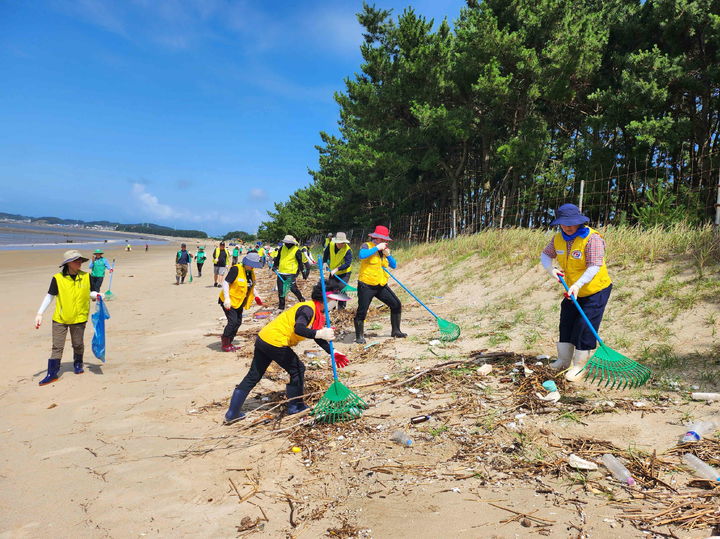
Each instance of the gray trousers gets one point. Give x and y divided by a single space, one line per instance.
59 332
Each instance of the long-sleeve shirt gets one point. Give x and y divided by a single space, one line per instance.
364 253
302 320
347 260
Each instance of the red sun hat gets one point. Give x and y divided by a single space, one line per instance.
381 233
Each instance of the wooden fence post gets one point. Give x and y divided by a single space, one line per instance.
582 193
454 223
427 232
502 211
717 204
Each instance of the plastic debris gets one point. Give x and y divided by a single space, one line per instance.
550 385
484 370
581 464
705 397
553 396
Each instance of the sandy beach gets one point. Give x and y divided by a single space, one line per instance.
135 446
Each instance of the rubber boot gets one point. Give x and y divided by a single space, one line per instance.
227 345
360 331
78 364
579 360
564 356
296 406
52 372
281 304
236 401
182 280
177 280
395 325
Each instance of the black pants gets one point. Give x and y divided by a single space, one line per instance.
283 356
333 281
200 265
95 283
294 289
573 328
234 320
384 293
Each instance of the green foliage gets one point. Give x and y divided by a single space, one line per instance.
149 228
522 100
240 235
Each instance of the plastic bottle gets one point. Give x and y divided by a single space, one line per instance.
401 438
705 396
617 469
701 468
697 430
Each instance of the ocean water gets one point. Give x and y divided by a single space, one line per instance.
15 235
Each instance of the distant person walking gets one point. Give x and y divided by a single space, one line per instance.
128 248
221 258
98 265
338 256
182 259
307 259
287 263
200 259
235 255
238 293
147 247
71 289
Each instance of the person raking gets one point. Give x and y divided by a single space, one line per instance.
238 293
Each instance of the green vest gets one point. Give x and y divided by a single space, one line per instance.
99 267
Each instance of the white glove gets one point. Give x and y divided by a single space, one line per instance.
326 334
38 321
227 304
557 273
386 251
93 295
573 290
381 246
333 272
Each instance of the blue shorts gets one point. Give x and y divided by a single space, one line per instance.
573 328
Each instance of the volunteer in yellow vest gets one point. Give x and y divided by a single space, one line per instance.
580 252
71 289
307 259
372 282
288 263
238 293
304 320
221 260
338 256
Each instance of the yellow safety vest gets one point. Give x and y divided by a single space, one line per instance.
239 292
371 268
261 252
281 331
216 255
72 304
574 265
288 262
337 259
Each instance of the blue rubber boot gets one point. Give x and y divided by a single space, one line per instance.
52 372
78 364
296 406
238 399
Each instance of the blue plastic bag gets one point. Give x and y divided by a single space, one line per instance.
98 319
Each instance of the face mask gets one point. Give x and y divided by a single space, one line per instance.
289 245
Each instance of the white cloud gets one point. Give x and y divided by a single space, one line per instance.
150 203
258 194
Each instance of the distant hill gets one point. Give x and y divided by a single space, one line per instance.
140 228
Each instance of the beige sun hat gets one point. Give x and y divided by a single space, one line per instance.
71 255
340 237
289 239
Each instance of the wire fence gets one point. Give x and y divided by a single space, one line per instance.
647 197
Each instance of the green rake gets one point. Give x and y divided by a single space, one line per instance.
448 330
347 287
618 371
286 284
339 403
109 296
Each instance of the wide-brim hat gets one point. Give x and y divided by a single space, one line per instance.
381 233
201 248
71 255
340 237
569 215
252 260
337 296
289 239
98 252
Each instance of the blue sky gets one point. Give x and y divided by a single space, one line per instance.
187 113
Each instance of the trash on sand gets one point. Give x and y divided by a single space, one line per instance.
580 464
370 344
550 385
434 342
401 438
553 396
296 449
697 430
419 419
702 469
413 390
310 354
542 356
484 370
705 396
617 469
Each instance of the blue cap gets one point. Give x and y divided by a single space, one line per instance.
569 215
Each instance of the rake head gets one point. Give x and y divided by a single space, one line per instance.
109 296
448 330
348 288
338 403
286 286
616 370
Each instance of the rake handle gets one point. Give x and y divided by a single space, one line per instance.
339 279
278 274
327 322
111 274
582 313
408 291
